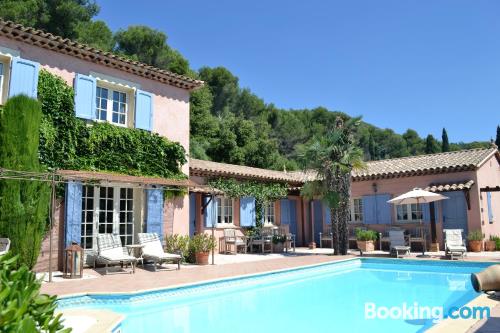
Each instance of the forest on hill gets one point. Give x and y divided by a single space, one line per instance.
229 123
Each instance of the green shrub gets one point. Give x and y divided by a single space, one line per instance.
365 235
22 307
179 244
496 239
24 204
475 235
202 243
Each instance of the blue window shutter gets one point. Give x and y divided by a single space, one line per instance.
426 213
143 110
247 211
73 213
154 211
383 209
285 211
85 95
490 207
293 217
210 212
24 78
369 209
328 219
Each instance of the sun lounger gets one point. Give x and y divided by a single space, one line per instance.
454 244
153 250
111 251
4 245
398 243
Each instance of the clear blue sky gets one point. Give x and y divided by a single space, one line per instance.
400 64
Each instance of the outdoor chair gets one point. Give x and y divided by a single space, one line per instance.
326 236
232 241
419 235
153 250
264 241
352 233
110 251
454 244
284 230
398 243
4 246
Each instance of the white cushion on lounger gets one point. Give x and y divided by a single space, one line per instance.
115 254
457 248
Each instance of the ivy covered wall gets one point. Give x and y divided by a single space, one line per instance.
67 142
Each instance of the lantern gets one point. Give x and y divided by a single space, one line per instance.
73 262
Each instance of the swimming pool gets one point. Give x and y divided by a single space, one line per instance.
324 298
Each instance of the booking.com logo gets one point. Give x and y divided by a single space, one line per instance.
414 311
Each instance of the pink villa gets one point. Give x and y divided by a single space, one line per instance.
130 94
469 178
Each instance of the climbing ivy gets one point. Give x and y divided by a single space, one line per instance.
67 142
262 192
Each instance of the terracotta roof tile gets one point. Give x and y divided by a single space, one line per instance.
63 45
459 186
462 160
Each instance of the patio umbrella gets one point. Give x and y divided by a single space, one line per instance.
417 196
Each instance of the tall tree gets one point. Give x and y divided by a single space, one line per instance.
333 157
445 144
59 17
497 141
150 46
96 34
24 204
431 145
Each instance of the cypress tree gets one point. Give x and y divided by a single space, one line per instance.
497 141
431 146
24 204
445 144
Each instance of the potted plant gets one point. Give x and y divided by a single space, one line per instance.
278 243
491 244
201 245
365 239
496 239
475 239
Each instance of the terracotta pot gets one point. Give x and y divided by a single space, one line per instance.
489 245
475 246
202 258
366 246
278 248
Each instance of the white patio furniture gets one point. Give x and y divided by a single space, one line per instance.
4 245
110 251
398 243
153 250
454 244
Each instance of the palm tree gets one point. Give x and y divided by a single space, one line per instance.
333 157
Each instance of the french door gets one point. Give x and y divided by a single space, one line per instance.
107 209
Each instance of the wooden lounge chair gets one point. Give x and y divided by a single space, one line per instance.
110 251
4 246
398 243
454 245
326 236
232 241
153 250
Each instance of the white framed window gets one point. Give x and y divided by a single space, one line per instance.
357 210
224 211
4 78
269 215
112 105
409 213
107 209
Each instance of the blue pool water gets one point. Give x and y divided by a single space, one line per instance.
325 298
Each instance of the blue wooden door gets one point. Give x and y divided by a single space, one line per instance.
192 214
455 211
289 214
318 220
